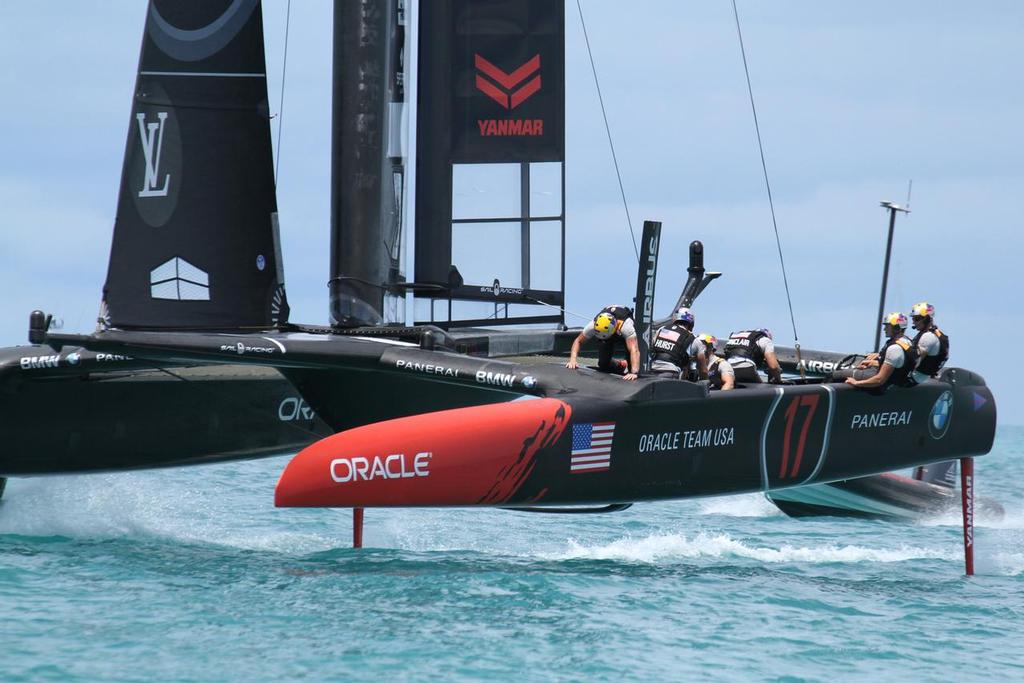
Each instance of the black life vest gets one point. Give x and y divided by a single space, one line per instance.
930 365
744 345
900 376
620 313
672 344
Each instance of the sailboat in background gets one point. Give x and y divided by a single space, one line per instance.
466 406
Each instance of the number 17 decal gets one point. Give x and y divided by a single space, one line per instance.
795 440
810 401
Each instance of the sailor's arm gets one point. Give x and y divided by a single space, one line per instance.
875 380
702 365
870 361
728 381
634 358
774 370
576 343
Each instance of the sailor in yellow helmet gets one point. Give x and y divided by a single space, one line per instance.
895 360
720 372
931 343
612 327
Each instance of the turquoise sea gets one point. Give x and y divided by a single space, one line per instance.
193 575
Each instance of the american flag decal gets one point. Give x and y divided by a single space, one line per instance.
591 447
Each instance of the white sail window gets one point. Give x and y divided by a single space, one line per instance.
486 191
546 255
179 280
484 252
546 189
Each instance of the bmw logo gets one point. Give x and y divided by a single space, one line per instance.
942 413
496 288
261 262
529 382
73 358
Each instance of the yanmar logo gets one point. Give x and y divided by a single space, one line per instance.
513 91
509 90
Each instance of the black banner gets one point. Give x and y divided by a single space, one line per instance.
647 272
508 81
491 89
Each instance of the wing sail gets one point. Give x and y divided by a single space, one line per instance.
195 239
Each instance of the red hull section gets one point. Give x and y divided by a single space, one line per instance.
468 456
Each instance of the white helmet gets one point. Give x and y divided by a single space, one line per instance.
685 315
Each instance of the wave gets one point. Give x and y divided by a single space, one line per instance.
159 506
661 547
746 505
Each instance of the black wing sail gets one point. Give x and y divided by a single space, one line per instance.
195 238
490 170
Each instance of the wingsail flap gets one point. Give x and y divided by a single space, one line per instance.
195 238
490 171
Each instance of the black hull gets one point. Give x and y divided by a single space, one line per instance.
884 496
671 438
109 414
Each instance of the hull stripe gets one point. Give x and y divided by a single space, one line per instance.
764 437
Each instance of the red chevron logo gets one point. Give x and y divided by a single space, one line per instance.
512 91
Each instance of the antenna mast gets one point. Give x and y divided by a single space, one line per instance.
893 209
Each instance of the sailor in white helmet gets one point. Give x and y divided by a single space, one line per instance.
674 347
612 326
749 350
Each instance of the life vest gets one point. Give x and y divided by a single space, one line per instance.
672 344
713 374
930 365
900 376
744 345
620 313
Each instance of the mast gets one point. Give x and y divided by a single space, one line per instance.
367 171
893 208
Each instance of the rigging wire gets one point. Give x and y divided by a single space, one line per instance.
768 186
560 308
284 74
608 131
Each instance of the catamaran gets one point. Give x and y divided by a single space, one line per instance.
462 402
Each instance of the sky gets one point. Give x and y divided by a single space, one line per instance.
854 100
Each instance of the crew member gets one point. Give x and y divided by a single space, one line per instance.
898 357
931 343
612 326
749 350
720 372
674 347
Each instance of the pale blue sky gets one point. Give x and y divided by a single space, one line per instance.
854 100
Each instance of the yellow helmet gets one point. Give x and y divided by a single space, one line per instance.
604 325
922 310
896 320
708 339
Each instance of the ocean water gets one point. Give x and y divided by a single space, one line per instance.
193 575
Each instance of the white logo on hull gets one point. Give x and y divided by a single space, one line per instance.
394 466
150 134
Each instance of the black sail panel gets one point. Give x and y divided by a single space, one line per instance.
196 238
490 215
